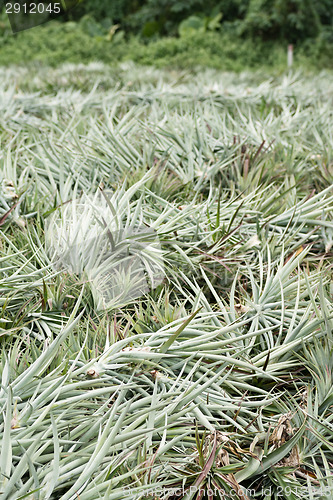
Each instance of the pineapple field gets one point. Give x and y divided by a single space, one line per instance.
166 251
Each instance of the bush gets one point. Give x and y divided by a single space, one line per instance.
55 43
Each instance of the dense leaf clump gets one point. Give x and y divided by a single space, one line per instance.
217 382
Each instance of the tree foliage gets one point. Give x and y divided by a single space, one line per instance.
290 20
284 20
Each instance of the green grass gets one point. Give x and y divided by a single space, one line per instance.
221 376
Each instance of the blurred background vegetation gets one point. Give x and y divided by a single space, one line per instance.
226 34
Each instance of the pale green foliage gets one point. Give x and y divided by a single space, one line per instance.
220 376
